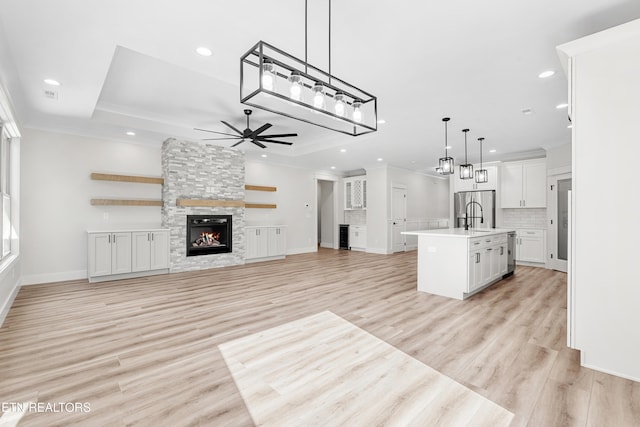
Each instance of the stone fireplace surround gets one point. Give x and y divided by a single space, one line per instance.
201 171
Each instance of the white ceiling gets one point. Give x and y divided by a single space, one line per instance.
132 66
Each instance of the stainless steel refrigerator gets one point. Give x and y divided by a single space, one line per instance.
480 207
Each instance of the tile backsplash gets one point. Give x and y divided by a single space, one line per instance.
525 218
355 217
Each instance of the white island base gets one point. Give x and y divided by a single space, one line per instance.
456 263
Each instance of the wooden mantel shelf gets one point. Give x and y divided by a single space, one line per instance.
127 178
125 202
259 188
222 203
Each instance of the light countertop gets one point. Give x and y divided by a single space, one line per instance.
459 232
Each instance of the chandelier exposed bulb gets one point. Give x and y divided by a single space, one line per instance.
295 90
268 75
318 96
357 111
340 104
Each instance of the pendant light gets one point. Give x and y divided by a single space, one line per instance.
445 164
466 170
482 175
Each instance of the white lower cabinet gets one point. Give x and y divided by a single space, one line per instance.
530 246
149 250
487 261
121 254
358 237
265 242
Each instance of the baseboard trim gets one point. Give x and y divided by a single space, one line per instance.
4 311
378 251
36 279
297 251
606 371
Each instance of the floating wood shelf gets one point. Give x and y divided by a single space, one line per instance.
222 203
127 178
205 202
259 188
125 202
259 206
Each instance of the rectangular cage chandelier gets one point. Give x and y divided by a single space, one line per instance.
275 81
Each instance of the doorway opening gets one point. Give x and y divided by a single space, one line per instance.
559 188
398 217
327 228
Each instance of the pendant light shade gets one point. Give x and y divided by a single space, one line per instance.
466 170
482 175
445 164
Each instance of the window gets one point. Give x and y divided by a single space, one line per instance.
5 196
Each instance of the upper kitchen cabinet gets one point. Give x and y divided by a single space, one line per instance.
355 193
523 184
459 184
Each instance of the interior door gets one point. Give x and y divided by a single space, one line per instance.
558 188
399 217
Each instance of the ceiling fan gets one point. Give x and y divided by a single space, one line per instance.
253 135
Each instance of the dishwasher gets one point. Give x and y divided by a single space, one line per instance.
511 254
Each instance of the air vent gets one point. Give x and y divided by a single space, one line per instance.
51 94
527 111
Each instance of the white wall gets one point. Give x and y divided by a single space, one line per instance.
604 263
427 196
295 199
378 235
558 158
56 190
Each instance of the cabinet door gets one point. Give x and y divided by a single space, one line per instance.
531 249
475 270
502 250
364 194
485 262
120 253
140 251
511 186
495 262
348 190
534 186
262 242
277 239
462 184
159 250
99 254
356 194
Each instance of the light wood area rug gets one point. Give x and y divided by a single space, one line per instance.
324 371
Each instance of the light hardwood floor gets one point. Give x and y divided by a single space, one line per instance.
145 351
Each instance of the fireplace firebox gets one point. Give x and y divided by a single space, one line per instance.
208 234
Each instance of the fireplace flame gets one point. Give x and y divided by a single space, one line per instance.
208 239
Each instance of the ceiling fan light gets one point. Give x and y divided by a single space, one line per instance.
318 96
295 90
268 75
340 104
357 111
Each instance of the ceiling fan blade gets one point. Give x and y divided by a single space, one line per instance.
260 130
213 131
258 144
276 142
227 124
219 139
280 135
239 142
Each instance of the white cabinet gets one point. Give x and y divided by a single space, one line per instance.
487 261
523 184
355 193
122 254
358 237
265 242
530 246
459 184
149 250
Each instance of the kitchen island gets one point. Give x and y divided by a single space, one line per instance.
457 263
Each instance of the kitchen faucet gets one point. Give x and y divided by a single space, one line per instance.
467 217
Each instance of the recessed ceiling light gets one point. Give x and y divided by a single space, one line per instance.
546 74
131 133
333 167
263 155
343 150
492 151
204 51
382 121
380 159
52 82
561 106
448 147
570 126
